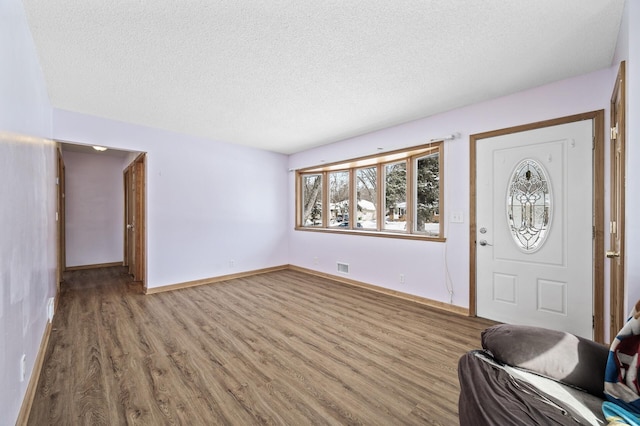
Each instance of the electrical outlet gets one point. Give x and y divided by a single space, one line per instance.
231 264
23 367
315 260
401 278
50 308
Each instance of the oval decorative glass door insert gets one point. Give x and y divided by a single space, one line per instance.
529 205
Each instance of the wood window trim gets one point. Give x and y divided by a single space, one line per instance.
409 156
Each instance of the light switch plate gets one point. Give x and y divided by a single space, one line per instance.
457 217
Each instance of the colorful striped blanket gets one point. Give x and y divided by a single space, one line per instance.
621 386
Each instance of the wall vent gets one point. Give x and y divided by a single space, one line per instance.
343 268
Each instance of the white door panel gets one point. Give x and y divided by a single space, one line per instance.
551 285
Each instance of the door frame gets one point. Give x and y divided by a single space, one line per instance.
128 219
598 208
135 205
61 216
617 311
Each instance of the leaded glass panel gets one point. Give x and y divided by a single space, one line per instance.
529 205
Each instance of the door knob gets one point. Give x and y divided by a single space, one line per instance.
611 254
483 243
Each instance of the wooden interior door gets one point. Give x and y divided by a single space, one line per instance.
135 218
617 224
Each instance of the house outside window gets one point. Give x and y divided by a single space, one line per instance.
339 199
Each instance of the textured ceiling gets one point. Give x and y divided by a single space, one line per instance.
290 75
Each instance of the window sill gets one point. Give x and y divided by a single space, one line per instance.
380 234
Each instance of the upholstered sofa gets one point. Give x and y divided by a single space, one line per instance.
532 376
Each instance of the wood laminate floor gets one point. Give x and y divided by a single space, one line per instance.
279 348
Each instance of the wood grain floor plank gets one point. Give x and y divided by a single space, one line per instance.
281 348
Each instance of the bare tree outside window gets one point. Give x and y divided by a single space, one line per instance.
367 197
312 200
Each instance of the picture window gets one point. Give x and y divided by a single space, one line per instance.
391 194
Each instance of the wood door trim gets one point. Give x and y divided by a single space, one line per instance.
598 227
598 206
61 211
140 231
126 178
618 115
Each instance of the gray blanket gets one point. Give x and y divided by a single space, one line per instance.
494 394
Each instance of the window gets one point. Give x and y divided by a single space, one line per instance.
427 194
396 194
367 197
529 205
339 199
312 200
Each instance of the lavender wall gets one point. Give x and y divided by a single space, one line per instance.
430 268
212 208
27 216
94 208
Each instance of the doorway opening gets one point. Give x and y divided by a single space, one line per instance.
93 211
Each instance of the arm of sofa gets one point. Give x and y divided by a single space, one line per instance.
558 355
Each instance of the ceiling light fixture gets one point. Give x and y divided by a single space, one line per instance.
99 148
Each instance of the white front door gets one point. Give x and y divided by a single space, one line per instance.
534 228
